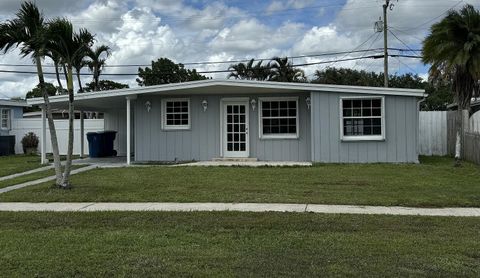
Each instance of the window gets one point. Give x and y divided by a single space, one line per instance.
278 118
176 114
362 118
5 118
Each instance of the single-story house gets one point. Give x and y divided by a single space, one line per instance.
269 121
10 109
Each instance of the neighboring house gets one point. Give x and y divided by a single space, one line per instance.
274 121
474 106
10 109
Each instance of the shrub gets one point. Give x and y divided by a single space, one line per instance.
30 143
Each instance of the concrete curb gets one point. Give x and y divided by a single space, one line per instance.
241 207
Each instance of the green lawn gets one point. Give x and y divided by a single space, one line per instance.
224 244
18 163
434 183
32 177
14 164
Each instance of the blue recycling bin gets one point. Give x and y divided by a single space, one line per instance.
100 144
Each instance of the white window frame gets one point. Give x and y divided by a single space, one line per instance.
260 119
164 115
380 137
9 119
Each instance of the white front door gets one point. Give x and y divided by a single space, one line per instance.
235 128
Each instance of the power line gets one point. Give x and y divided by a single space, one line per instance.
355 49
433 19
413 51
225 62
225 71
376 39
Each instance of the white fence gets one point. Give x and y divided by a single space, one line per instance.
20 127
433 133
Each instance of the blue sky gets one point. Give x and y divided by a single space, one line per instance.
139 31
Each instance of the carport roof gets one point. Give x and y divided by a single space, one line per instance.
104 100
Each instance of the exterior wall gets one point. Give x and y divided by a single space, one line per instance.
116 120
401 134
17 113
202 141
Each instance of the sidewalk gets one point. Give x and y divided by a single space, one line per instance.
243 207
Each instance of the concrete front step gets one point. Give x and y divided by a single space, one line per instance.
236 159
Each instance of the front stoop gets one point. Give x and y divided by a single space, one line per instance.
236 159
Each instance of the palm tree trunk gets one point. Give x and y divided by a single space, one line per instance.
96 77
71 117
57 73
51 124
65 72
79 82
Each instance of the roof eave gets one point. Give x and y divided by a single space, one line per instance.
238 83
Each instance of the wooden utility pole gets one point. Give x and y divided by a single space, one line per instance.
385 43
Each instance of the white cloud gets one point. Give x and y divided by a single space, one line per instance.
139 31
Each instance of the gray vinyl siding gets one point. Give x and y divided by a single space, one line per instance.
399 146
16 113
116 120
202 140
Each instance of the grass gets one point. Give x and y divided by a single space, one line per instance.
433 183
32 177
14 164
149 244
18 163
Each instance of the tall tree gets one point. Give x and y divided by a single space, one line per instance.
96 62
104 85
164 71
284 71
27 31
70 47
38 90
57 63
84 37
453 50
250 71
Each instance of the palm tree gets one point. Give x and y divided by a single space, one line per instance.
96 63
261 72
56 62
84 37
283 71
249 71
70 47
27 31
241 70
453 50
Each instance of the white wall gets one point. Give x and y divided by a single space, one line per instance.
433 133
20 127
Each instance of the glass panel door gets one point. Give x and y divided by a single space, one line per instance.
236 129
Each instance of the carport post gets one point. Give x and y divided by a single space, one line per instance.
43 146
82 135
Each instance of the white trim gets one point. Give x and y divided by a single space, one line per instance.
362 137
287 87
17 103
43 146
129 151
277 136
164 115
9 118
234 100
